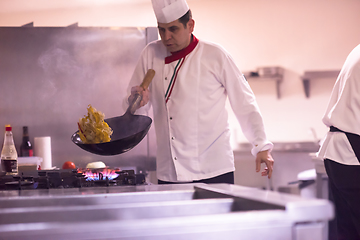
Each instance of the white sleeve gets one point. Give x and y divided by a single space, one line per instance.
244 105
136 80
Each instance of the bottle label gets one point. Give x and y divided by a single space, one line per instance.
9 166
27 153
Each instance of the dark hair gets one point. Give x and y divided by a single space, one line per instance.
185 18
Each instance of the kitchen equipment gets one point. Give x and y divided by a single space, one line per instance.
270 71
177 212
61 179
30 163
128 129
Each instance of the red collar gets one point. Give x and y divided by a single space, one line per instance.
182 53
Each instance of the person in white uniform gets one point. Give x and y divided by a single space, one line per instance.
193 79
340 149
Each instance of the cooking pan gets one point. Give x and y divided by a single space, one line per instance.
128 129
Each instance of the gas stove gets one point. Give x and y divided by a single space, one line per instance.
70 178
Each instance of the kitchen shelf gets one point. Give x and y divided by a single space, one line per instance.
310 75
284 147
267 74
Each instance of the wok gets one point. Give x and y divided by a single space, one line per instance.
128 129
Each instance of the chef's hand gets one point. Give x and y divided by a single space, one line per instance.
265 157
143 92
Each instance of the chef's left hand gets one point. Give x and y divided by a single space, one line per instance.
265 157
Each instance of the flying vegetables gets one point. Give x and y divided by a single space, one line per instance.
92 127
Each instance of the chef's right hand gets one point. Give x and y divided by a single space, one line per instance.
144 93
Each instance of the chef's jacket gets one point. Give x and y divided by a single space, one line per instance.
188 95
343 112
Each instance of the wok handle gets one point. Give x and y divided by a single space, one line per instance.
145 84
148 78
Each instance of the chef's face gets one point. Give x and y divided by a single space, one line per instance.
174 35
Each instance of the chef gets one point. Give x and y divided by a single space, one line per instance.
340 149
193 80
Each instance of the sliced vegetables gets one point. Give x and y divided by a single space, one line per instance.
93 128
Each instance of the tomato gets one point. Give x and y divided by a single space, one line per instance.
68 165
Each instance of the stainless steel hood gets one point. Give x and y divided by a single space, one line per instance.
185 211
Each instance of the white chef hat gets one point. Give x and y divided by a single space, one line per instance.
167 11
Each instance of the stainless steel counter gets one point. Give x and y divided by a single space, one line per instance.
185 211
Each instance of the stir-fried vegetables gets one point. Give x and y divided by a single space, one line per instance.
93 128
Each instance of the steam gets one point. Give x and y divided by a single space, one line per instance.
58 61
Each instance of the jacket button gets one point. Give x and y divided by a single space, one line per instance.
170 118
175 158
172 138
165 78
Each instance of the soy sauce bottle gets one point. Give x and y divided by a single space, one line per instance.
9 157
26 149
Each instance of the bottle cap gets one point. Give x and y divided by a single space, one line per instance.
8 127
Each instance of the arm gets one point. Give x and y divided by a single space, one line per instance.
247 112
140 94
137 87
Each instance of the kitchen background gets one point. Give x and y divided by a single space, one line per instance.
298 36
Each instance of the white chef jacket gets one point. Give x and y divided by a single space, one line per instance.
188 95
343 112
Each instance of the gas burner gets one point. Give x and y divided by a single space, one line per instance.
96 174
18 185
16 182
74 178
128 177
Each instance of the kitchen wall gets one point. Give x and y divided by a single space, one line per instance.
296 35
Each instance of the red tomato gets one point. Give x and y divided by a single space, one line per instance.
68 165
